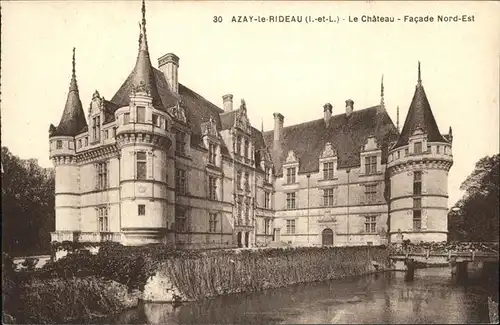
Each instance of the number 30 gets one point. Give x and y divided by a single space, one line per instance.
217 19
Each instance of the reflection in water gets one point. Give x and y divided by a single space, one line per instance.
381 298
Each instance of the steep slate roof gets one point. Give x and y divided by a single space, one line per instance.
73 117
420 116
346 134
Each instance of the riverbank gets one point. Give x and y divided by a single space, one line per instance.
82 286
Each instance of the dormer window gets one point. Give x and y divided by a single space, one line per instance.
212 154
370 165
290 175
59 144
328 170
417 148
141 114
96 128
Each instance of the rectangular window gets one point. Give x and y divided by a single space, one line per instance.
156 120
268 175
247 182
417 219
248 203
102 175
371 224
96 128
290 227
59 144
141 172
267 226
126 118
406 152
290 201
102 215
438 149
212 222
417 183
238 180
180 181
238 145
141 209
180 144
180 219
106 134
371 193
290 175
328 197
212 188
113 132
246 149
417 148
239 204
267 200
141 114
86 141
397 155
328 170
429 149
79 143
370 165
211 153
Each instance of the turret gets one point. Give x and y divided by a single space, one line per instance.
63 153
143 137
418 166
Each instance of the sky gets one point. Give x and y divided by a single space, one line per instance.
290 68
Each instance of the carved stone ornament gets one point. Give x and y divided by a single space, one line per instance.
140 88
179 112
329 151
371 144
291 158
241 119
209 128
52 129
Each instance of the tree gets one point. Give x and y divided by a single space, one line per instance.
475 216
28 214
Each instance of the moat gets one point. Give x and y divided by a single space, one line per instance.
433 297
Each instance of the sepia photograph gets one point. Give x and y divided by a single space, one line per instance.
250 162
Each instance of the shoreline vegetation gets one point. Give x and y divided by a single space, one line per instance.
82 287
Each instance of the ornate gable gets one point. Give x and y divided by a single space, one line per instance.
329 151
210 128
371 144
291 158
179 112
241 120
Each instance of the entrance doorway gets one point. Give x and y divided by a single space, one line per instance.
327 237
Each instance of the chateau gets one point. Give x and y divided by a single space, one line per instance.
158 163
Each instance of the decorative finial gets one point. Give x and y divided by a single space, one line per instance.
397 118
450 132
140 33
261 125
74 63
419 75
243 104
382 91
143 14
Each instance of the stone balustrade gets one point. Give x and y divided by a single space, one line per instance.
85 237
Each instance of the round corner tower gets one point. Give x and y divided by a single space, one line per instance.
62 152
418 166
143 137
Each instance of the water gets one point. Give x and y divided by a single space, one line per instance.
376 299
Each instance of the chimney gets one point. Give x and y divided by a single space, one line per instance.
349 107
169 65
227 102
278 125
327 108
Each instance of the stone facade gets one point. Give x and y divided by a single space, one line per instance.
158 163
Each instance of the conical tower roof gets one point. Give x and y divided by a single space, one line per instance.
142 77
73 118
420 116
